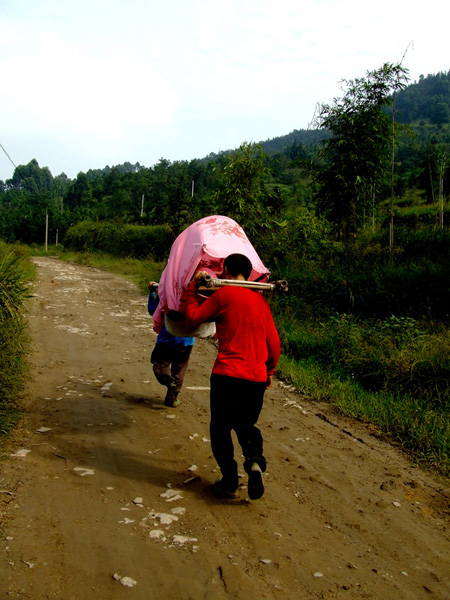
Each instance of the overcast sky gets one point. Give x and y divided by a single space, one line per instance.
90 83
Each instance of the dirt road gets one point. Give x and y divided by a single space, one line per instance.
106 493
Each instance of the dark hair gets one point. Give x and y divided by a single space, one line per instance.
238 264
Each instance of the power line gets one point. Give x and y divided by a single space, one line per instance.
12 162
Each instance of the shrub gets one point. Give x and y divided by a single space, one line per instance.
121 240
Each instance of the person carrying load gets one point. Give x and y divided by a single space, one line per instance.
249 349
193 302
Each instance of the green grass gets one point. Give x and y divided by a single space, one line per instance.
16 271
13 371
391 374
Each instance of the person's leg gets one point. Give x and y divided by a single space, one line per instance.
160 360
180 361
220 430
249 436
246 414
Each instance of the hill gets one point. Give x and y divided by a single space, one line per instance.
425 100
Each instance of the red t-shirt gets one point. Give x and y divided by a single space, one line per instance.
249 346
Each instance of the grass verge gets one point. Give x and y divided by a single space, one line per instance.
422 429
16 271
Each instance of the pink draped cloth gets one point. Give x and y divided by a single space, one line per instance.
203 246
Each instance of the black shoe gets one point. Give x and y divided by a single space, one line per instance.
255 483
225 490
171 398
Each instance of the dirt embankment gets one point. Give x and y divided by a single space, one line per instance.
106 494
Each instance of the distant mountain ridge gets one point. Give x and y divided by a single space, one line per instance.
301 137
428 99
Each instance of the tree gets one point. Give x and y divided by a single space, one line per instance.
77 191
444 161
353 163
32 178
441 157
240 193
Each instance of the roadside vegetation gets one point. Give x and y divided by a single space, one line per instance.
15 275
360 230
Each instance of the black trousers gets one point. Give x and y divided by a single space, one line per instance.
236 405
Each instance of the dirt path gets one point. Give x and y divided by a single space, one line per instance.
106 483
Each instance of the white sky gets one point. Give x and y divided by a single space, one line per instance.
90 83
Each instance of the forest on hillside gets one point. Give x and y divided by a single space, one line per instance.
176 193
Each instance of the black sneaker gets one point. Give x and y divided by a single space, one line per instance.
171 398
255 483
225 490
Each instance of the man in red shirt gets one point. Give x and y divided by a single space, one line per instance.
249 349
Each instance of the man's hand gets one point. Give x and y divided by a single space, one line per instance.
153 286
199 276
269 381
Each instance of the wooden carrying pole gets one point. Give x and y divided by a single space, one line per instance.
214 284
210 284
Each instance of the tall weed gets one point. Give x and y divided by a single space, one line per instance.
13 288
13 338
396 354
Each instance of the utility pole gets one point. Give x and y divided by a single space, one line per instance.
192 192
142 206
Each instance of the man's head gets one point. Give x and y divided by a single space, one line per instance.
237 264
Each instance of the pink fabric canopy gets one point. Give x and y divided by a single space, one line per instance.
203 246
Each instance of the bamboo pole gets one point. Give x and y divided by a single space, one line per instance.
214 284
210 284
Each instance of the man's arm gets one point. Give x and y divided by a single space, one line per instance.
269 381
195 312
153 299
